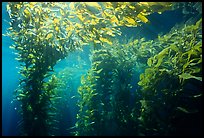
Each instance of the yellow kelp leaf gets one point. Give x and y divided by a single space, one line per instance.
200 61
155 4
144 3
130 20
71 5
8 8
93 4
165 4
60 47
195 61
79 25
142 18
56 21
38 10
83 81
198 23
131 7
198 47
19 48
149 62
93 22
97 63
191 52
27 13
30 56
159 62
174 47
123 6
106 14
81 18
69 28
57 28
105 40
62 12
110 32
50 35
32 4
64 23
196 70
22 95
18 58
141 76
46 16
114 20
71 16
108 5
160 56
33 61
18 6
163 52
12 47
97 41
93 16
69 34
97 77
149 3
140 83
185 76
89 78
99 71
90 36
118 9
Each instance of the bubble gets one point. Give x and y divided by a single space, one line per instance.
15 108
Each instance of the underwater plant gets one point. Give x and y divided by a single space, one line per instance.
105 93
38 57
171 85
161 86
189 7
68 81
45 32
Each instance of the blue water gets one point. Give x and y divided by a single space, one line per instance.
159 23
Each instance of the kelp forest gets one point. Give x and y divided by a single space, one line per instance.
133 86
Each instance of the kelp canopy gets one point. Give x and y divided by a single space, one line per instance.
67 26
46 32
